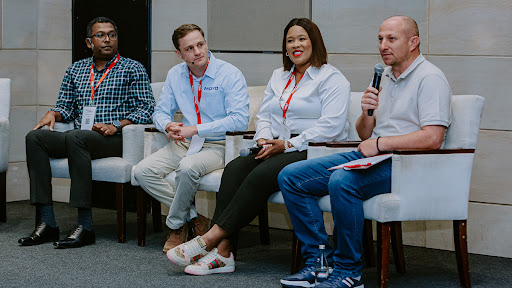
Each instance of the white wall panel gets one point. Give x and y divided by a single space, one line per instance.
21 67
52 65
358 69
352 26
251 25
17 182
54 27
490 180
167 15
19 24
161 63
489 77
23 119
471 27
256 67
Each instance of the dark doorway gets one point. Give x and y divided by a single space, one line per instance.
133 21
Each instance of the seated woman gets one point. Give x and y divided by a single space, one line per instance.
306 100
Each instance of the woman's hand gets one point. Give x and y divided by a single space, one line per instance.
270 148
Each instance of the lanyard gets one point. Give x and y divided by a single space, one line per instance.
102 77
292 76
199 88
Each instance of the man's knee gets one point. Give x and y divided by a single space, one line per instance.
75 138
34 136
187 168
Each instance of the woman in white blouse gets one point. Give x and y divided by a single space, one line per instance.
306 100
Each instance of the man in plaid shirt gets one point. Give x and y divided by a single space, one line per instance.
100 94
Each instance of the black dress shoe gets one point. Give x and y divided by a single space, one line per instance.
42 234
77 238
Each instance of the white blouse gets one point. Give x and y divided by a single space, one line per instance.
318 109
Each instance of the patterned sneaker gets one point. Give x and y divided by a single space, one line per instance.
212 263
188 252
341 282
304 278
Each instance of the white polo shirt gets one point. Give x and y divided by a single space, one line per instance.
420 96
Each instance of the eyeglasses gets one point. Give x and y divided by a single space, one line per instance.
103 36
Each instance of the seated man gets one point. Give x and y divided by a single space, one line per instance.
212 96
413 111
101 94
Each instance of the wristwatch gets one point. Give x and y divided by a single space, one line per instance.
117 124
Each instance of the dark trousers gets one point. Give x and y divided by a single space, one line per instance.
80 147
245 187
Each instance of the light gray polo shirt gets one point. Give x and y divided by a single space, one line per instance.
420 96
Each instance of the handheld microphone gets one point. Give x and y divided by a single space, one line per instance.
378 68
244 152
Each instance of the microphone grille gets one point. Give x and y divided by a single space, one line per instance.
378 68
244 152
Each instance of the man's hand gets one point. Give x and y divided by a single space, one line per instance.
368 147
270 148
179 133
370 99
104 129
170 134
48 119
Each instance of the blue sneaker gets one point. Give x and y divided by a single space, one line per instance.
335 281
304 278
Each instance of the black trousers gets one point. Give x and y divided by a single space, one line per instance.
246 185
80 147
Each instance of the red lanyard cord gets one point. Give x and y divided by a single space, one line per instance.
93 88
287 104
199 88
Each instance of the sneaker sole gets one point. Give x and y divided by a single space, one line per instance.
208 272
306 284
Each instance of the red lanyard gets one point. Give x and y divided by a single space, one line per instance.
285 108
199 88
102 77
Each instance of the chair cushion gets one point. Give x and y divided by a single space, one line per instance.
276 198
383 208
110 169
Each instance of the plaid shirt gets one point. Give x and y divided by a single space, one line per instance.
125 93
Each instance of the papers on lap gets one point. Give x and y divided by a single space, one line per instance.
362 163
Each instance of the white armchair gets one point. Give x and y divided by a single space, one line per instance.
425 185
112 169
5 100
154 140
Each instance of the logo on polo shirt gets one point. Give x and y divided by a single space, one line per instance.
210 88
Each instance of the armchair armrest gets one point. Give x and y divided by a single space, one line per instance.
320 149
63 127
154 139
432 183
133 142
235 141
4 144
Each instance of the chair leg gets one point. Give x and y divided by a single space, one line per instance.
156 212
121 211
263 225
369 252
461 251
383 241
3 197
296 255
397 246
141 216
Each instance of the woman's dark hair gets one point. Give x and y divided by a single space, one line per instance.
319 53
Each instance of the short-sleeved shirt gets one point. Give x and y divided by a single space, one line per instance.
420 96
224 104
125 93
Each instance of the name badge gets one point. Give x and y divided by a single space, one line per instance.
88 115
195 145
285 132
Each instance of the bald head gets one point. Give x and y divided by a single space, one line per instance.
409 26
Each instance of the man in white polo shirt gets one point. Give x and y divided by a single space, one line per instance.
412 110
213 98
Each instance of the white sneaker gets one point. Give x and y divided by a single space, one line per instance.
213 262
188 252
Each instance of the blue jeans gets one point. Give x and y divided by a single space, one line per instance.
304 182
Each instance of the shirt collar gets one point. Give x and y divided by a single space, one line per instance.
211 70
311 71
108 63
409 69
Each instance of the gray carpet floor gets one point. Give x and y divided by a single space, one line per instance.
111 264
